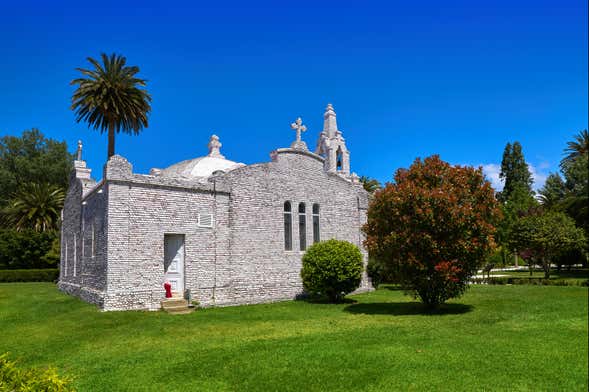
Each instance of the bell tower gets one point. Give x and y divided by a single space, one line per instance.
332 146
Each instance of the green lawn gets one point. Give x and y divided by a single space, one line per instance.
494 338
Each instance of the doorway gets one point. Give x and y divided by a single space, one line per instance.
174 261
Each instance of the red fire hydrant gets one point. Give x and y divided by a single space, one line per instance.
168 288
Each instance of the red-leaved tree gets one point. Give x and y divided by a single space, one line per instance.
434 226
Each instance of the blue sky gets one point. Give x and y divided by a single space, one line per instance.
407 79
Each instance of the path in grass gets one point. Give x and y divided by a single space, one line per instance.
579 274
494 338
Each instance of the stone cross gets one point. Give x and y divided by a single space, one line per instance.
298 127
79 153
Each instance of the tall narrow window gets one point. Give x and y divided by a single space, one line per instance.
287 226
93 239
65 257
339 156
302 227
75 254
316 236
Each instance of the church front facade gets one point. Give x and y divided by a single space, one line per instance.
230 233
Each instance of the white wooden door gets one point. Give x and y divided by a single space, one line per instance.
174 261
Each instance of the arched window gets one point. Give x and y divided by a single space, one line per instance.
302 227
287 226
339 159
316 236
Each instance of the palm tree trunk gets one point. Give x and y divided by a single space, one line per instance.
111 140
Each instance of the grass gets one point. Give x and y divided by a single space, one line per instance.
494 338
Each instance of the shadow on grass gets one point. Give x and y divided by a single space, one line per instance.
319 299
406 308
323 300
392 287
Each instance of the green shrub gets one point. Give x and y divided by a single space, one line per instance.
12 378
28 249
332 268
29 275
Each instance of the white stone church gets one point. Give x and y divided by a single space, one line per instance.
230 233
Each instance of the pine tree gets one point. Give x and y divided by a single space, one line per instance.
514 171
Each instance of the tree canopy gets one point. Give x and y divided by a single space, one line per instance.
434 225
34 206
571 195
543 237
109 98
577 148
370 185
514 171
32 158
553 191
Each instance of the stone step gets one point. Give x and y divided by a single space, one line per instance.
176 306
174 302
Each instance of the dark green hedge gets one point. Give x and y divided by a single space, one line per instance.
532 281
29 275
28 249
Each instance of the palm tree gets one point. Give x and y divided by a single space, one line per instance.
34 206
371 185
576 148
109 98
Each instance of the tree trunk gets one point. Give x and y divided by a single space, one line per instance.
546 264
515 259
111 140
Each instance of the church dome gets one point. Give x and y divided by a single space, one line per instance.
203 167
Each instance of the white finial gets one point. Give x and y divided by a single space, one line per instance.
79 152
329 121
299 128
215 147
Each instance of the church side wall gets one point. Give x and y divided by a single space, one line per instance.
139 216
83 244
261 269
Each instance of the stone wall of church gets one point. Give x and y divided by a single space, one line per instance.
120 224
142 209
140 215
261 270
83 242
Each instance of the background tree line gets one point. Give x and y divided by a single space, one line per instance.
34 174
420 235
549 227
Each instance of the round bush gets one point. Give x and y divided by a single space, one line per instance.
332 268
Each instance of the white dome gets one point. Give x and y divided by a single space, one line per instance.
203 167
200 167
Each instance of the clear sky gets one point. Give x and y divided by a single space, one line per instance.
407 79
